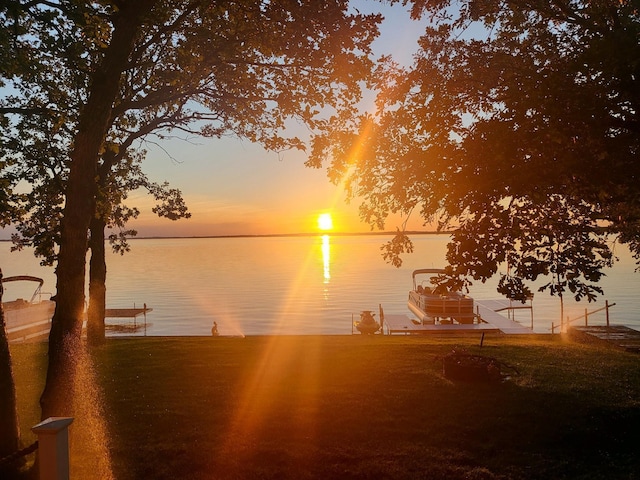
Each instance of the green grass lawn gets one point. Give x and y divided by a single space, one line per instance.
346 407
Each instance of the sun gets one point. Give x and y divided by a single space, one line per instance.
325 222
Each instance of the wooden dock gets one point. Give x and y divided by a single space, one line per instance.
123 326
618 336
402 324
126 312
488 312
394 324
490 321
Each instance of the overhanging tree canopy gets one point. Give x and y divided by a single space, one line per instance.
518 128
130 68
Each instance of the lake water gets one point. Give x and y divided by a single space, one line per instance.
292 285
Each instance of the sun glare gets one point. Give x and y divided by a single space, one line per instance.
325 222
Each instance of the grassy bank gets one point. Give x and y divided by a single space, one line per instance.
347 407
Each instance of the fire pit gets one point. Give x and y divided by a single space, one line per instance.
465 367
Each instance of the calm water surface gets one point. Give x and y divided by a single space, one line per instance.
291 285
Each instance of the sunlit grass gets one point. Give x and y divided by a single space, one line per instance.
88 432
29 362
362 407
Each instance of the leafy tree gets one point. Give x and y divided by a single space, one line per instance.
40 158
36 150
213 68
13 60
516 128
119 173
9 426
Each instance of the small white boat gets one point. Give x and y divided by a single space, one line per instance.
435 306
28 319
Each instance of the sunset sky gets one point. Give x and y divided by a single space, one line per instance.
233 187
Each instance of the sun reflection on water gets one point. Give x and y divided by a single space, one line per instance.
326 258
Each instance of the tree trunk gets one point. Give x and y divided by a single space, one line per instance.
9 426
66 324
97 283
97 263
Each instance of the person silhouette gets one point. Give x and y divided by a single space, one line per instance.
214 329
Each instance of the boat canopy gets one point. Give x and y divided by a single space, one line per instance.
427 270
422 271
26 278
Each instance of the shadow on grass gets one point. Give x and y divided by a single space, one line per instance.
343 407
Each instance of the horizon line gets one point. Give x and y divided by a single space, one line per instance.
309 234
259 235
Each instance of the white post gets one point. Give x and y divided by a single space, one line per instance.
53 447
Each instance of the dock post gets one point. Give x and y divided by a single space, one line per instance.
53 447
586 318
606 306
